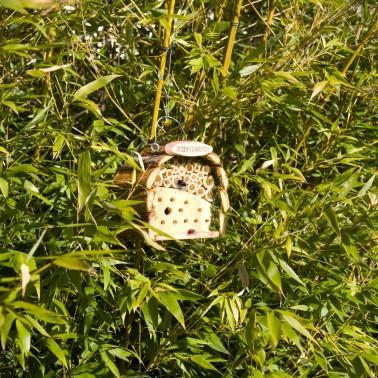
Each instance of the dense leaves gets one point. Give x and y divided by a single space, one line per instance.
290 290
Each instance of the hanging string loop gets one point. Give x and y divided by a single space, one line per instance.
165 46
155 145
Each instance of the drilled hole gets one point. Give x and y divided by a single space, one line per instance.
195 220
200 209
181 210
207 220
185 221
162 222
186 202
160 199
172 199
175 222
167 210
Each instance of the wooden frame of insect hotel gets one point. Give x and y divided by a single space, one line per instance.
183 188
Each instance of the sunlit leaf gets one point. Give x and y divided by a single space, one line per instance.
171 303
25 278
274 326
40 72
56 350
84 178
331 218
202 362
73 263
249 70
296 324
93 86
4 187
24 337
318 88
5 328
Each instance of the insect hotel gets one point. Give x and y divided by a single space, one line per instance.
183 188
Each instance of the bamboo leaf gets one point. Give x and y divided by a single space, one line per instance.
249 70
83 178
286 267
202 362
294 323
3 150
57 351
41 72
244 276
93 86
196 64
25 278
268 271
4 187
89 105
318 88
109 362
290 335
14 4
151 314
367 186
172 305
24 337
230 93
274 326
72 263
331 218
38 311
5 327
250 330
349 246
321 360
23 168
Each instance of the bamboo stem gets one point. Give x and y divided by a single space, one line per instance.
182 171
367 36
200 191
231 37
209 195
192 187
166 45
227 57
208 182
272 7
175 180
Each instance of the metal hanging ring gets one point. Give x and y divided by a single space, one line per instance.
155 147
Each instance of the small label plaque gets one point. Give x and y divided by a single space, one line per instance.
188 148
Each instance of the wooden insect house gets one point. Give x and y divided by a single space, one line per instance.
183 188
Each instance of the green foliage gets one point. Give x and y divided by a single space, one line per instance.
289 291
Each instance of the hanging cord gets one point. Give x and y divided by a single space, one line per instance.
166 45
167 97
155 146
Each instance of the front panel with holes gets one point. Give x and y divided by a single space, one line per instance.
180 214
186 196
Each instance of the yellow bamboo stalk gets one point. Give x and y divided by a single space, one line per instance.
272 7
166 42
227 56
231 37
362 44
